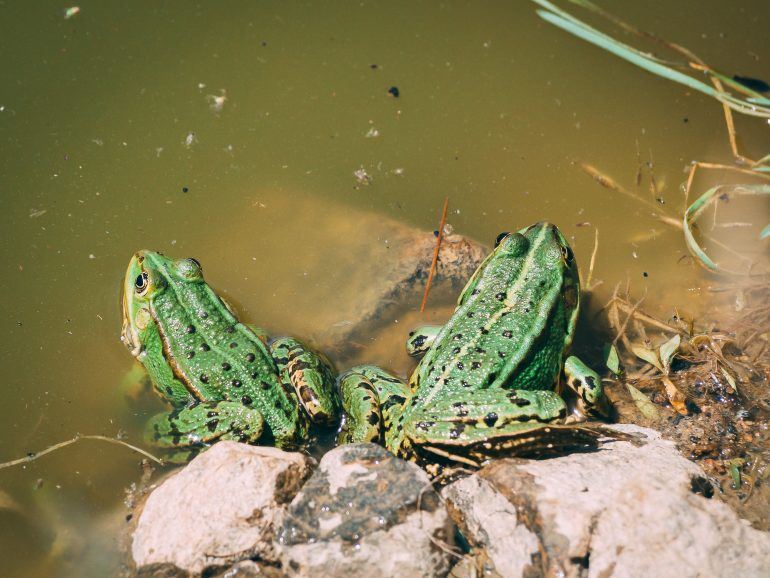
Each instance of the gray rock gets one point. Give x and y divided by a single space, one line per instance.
629 509
366 513
219 509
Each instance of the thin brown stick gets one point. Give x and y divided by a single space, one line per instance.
435 255
33 456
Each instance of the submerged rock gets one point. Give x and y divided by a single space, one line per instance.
629 509
218 510
366 513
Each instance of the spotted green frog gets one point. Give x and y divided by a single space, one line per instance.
223 379
486 381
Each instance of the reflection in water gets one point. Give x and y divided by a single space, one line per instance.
239 136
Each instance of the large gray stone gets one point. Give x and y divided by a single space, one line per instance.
629 509
219 509
366 513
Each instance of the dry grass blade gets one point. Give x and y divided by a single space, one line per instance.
435 255
34 456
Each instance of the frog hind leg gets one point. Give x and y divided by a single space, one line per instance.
371 398
421 339
587 385
310 376
494 422
189 430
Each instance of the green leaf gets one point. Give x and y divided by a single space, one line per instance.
668 351
643 403
612 359
647 355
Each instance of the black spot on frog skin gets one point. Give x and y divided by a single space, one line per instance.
471 313
456 350
212 425
501 354
190 354
393 400
490 419
455 432
475 365
425 425
204 315
190 329
264 385
475 292
204 378
246 400
465 383
204 347
169 390
460 365
507 333
226 366
501 296
233 345
373 419
230 329
457 336
236 383
250 357
212 414
591 382
484 331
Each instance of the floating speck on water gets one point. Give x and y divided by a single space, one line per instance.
34 213
158 151
92 256
362 176
394 92
372 133
190 140
645 274
185 190
71 11
217 103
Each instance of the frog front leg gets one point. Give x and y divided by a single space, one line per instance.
190 429
587 385
310 376
421 339
370 399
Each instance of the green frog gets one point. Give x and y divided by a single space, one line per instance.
223 379
486 382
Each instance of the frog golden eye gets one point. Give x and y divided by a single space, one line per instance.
566 252
500 238
141 283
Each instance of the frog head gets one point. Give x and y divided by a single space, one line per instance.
148 276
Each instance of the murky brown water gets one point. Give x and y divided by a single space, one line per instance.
111 142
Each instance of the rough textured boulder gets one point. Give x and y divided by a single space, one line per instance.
218 510
366 513
629 509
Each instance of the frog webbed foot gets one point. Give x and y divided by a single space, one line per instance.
421 339
310 376
590 400
192 429
370 397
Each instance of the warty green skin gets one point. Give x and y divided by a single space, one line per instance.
486 382
224 379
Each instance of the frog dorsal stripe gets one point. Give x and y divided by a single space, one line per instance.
508 306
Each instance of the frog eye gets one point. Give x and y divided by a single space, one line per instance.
566 252
141 283
500 238
195 262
